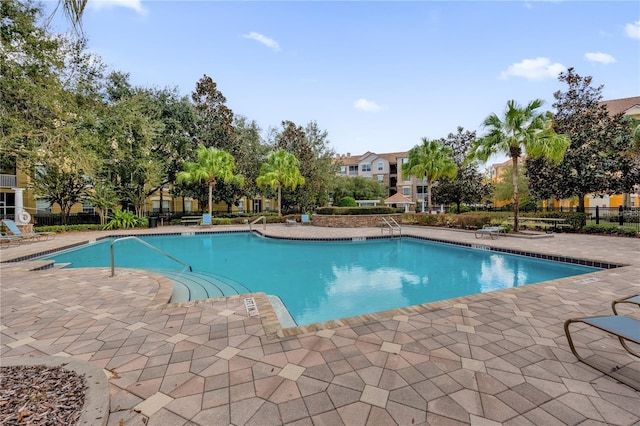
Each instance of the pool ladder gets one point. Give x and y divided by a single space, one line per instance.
264 223
391 224
113 264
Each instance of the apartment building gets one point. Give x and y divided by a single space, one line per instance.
16 197
386 168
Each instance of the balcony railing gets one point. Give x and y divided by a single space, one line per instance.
8 181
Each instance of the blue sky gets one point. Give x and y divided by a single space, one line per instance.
377 76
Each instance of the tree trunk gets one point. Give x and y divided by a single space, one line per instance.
516 208
429 206
64 212
581 202
161 199
458 205
279 201
211 197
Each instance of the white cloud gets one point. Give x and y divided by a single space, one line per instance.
366 105
534 69
109 4
603 58
270 43
633 30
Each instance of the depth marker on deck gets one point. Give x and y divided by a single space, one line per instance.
252 308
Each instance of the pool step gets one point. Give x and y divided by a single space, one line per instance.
189 286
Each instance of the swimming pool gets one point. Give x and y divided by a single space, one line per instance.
320 281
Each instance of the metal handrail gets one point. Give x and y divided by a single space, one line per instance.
264 223
113 264
392 225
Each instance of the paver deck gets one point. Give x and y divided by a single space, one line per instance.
489 359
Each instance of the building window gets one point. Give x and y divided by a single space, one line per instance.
155 206
353 170
380 165
267 205
343 170
241 205
380 178
43 206
188 205
366 167
87 207
406 191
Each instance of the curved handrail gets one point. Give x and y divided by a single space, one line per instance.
264 223
113 265
392 224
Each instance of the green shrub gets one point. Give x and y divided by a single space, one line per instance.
470 221
124 219
610 229
463 209
67 228
358 210
424 219
220 221
527 205
347 202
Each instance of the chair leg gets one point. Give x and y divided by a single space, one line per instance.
593 365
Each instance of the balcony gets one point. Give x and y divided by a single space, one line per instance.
8 181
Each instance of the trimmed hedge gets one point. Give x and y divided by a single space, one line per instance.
358 210
610 230
68 228
464 221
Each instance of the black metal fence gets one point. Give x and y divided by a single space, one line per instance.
51 219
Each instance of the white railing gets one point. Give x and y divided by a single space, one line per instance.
8 181
391 224
113 263
264 223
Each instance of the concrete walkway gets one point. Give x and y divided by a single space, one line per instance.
489 359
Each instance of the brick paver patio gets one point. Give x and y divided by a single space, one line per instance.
489 359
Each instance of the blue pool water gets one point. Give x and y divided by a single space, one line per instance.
320 281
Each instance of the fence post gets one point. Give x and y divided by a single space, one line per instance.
621 217
597 215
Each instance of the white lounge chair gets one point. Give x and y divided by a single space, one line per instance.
626 329
9 240
490 230
14 230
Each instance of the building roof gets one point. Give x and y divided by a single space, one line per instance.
393 156
355 159
398 198
617 106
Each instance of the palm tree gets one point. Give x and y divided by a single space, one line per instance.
432 160
73 9
280 170
522 131
212 164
